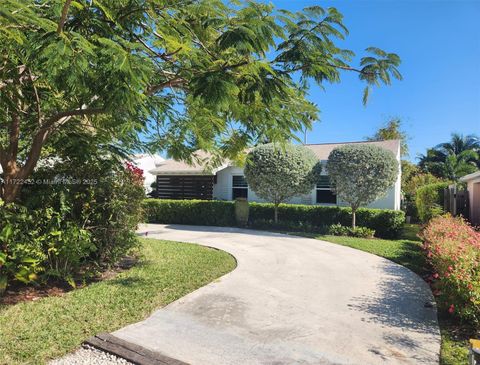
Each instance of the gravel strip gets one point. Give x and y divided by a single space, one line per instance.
88 355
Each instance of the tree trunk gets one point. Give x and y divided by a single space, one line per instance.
11 190
354 217
276 213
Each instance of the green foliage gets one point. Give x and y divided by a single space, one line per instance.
392 130
386 223
74 220
454 159
412 180
196 212
277 174
361 232
66 245
361 173
105 200
189 75
21 260
429 200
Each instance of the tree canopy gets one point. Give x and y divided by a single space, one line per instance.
277 173
361 173
454 159
392 130
183 74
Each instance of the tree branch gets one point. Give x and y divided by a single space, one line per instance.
13 137
177 82
63 17
37 98
70 113
3 156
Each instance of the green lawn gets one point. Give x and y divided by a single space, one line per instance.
34 332
407 251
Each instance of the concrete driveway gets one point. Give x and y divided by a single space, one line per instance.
293 300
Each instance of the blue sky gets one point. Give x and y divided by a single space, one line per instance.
439 43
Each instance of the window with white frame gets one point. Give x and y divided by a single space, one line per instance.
325 195
239 187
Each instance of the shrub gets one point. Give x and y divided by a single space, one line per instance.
386 223
21 251
362 232
453 249
104 200
66 245
429 200
80 220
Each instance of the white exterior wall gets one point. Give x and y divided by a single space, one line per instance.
222 190
147 163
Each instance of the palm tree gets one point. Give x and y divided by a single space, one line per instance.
451 160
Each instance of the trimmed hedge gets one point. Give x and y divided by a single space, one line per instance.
386 223
194 212
429 200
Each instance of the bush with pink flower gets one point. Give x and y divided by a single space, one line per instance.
453 249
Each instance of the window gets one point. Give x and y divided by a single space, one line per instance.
239 187
325 194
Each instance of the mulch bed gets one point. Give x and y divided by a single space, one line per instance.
18 292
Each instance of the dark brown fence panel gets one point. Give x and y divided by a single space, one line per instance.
184 187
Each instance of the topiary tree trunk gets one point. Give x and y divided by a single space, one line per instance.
354 216
275 215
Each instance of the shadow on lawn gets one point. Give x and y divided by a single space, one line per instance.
413 257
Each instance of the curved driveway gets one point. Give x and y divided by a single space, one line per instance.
293 300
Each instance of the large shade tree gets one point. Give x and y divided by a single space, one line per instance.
278 173
187 74
361 174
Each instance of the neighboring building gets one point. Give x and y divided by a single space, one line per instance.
147 162
179 180
473 187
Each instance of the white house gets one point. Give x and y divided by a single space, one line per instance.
147 162
179 180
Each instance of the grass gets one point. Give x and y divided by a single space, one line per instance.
407 251
34 332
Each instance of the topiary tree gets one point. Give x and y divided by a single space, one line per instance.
361 174
277 174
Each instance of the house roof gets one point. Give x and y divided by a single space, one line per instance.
197 167
321 150
471 176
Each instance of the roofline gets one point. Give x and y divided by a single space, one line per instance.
181 172
468 177
327 143
189 172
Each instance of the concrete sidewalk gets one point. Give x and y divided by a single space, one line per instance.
293 300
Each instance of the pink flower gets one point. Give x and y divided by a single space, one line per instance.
451 309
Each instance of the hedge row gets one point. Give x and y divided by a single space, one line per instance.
386 223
